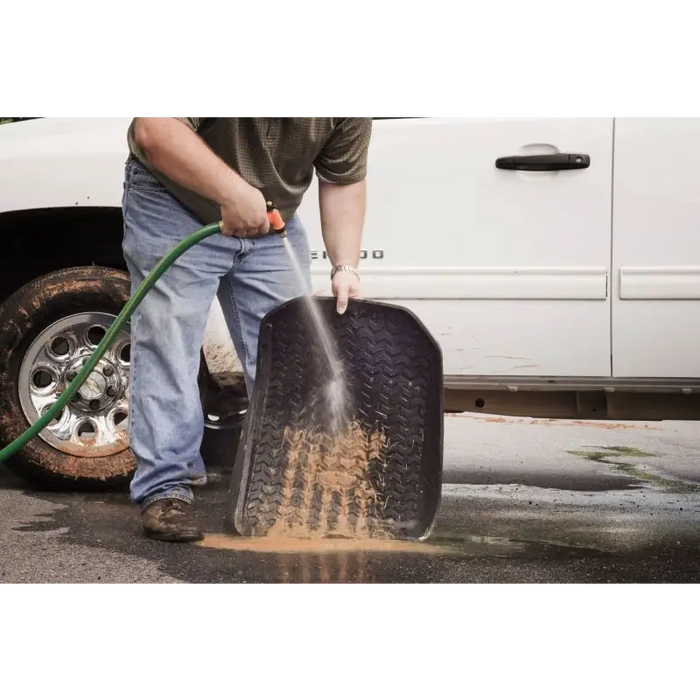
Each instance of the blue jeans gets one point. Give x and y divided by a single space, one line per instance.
250 276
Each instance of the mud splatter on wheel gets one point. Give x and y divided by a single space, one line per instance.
48 329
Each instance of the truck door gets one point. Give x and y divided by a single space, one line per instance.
507 268
656 281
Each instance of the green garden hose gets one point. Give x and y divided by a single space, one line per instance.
277 225
111 335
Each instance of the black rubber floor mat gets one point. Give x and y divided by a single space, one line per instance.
381 477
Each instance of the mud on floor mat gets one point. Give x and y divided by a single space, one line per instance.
381 476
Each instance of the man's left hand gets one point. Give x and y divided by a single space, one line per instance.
346 286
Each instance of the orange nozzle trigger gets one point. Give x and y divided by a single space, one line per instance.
276 220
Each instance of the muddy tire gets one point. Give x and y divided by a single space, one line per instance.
47 329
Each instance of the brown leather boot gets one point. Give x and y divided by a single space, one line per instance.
171 520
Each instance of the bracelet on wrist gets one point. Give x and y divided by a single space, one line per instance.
344 268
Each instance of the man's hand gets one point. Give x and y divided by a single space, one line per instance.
245 213
346 286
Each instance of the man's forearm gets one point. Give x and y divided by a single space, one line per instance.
182 155
343 210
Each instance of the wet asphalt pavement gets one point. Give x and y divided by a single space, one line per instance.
524 501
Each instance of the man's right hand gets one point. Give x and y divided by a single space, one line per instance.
245 214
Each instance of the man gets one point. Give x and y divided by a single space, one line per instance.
187 172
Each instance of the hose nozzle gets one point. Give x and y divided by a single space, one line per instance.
276 220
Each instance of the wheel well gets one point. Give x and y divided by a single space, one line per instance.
34 243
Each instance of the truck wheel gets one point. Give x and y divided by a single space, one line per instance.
47 330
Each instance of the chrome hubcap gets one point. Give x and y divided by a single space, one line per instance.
95 421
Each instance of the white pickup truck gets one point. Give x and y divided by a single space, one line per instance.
557 262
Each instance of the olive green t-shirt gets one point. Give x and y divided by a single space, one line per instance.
278 156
